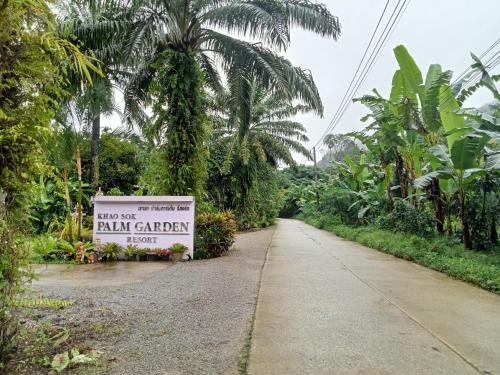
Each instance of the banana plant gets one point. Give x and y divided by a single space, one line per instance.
425 96
465 162
448 190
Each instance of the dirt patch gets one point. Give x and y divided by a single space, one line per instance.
47 330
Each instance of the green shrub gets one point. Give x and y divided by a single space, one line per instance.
338 202
86 235
214 234
131 251
178 248
48 249
405 218
115 191
111 250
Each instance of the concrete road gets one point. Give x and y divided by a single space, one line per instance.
330 306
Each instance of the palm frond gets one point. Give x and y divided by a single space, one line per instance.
274 72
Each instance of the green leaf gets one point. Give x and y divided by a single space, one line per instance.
59 338
423 181
492 162
450 119
448 186
363 211
397 87
60 361
441 152
472 173
485 77
466 150
432 75
409 69
430 106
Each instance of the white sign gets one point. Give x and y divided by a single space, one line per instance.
147 222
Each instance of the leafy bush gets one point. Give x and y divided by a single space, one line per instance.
214 234
405 218
178 248
338 201
111 250
115 191
47 248
131 251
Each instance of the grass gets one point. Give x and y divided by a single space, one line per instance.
480 268
42 302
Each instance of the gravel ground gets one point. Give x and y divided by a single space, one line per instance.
189 318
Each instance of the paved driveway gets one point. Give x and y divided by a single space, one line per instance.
329 306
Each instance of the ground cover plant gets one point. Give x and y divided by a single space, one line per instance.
56 337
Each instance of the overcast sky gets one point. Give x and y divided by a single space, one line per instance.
434 31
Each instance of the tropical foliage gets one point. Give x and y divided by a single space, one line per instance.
252 136
428 164
34 61
209 102
171 50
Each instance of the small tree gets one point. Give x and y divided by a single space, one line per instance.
32 58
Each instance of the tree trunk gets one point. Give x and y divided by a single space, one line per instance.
493 231
390 201
94 151
183 122
465 222
437 203
449 229
69 218
403 181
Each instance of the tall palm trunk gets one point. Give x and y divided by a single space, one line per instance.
390 200
388 180
94 151
180 85
80 192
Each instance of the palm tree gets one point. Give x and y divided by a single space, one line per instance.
96 99
174 48
254 134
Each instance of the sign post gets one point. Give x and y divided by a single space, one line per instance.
146 222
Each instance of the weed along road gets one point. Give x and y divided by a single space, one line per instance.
329 306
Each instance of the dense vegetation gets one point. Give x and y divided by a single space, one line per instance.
206 114
421 181
209 108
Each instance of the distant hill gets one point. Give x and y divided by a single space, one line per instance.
352 149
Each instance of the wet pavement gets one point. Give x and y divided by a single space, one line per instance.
330 306
93 275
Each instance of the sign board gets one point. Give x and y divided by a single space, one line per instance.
147 222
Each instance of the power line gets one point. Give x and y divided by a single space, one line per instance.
395 17
357 70
372 63
476 76
465 72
